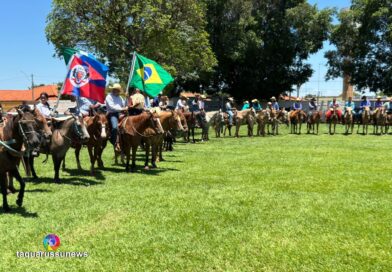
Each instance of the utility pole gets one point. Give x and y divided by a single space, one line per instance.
32 88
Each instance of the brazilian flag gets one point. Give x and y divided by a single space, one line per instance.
149 76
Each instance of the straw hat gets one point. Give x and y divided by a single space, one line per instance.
246 102
203 96
298 99
255 100
269 103
116 86
230 99
273 98
378 97
183 96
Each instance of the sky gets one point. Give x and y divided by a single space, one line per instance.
24 49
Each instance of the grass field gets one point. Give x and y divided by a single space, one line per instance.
285 203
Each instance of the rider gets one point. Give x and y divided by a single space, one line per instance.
86 104
246 105
164 102
136 102
378 104
313 106
229 109
115 104
349 104
388 106
333 104
182 103
275 104
43 106
364 103
297 105
256 105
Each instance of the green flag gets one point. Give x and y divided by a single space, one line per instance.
149 76
68 52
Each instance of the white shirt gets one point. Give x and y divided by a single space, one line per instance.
201 104
44 109
180 104
114 103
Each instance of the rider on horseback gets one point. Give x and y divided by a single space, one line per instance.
388 106
364 104
136 102
256 105
115 104
313 106
275 104
334 105
229 110
378 104
246 105
350 104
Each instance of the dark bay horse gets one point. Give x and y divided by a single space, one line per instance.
18 132
132 129
314 122
97 127
333 120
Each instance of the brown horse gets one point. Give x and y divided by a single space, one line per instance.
348 120
297 117
245 117
132 129
170 120
226 123
314 122
18 132
379 121
191 124
97 127
262 120
333 120
365 120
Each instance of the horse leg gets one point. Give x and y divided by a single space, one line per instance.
147 149
160 152
31 162
57 164
19 200
193 138
10 183
92 154
64 163
77 153
127 150
133 166
3 185
154 155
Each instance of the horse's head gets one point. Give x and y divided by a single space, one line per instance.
42 125
156 123
80 129
101 124
183 120
177 120
24 125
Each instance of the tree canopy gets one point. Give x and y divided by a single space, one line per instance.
363 40
249 48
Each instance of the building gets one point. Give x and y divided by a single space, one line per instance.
12 98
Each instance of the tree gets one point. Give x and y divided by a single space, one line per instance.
170 32
262 46
363 40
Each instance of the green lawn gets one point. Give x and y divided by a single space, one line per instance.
285 203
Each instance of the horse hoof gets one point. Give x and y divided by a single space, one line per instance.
19 202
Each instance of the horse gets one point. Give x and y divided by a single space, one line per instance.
245 117
226 122
314 122
389 122
379 121
365 120
217 122
131 131
333 120
348 120
297 117
262 120
191 124
170 136
97 127
66 131
169 120
18 132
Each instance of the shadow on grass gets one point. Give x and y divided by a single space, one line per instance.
76 181
38 191
140 169
82 172
20 211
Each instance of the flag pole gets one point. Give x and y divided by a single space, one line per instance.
131 71
59 92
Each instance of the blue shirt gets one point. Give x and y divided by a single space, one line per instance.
257 107
84 104
349 105
275 105
378 104
364 104
245 106
297 106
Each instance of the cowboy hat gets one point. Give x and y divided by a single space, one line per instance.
313 98
298 99
116 86
255 100
203 96
230 99
273 98
269 103
378 97
246 102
